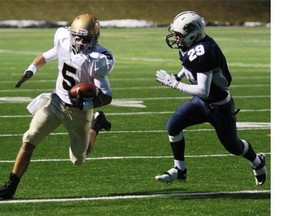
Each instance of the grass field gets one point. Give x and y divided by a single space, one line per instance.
118 177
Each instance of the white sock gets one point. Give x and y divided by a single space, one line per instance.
180 164
256 162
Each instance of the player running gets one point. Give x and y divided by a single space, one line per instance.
80 59
205 66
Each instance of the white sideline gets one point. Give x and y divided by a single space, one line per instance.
191 195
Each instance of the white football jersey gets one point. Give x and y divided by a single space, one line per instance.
92 66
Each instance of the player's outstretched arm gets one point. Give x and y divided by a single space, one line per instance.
38 62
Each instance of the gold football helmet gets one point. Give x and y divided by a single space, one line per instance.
85 32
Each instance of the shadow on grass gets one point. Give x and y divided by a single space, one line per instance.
228 195
251 194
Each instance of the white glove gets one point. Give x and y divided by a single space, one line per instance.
166 79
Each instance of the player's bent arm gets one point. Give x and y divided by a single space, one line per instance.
38 62
201 89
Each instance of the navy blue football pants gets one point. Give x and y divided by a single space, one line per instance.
222 118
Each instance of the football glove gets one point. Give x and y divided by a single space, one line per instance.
166 79
27 75
80 102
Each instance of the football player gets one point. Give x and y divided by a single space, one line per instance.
205 67
80 59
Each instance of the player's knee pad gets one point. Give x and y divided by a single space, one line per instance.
176 138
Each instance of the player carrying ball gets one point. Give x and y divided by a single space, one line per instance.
80 59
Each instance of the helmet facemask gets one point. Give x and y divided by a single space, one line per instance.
80 44
174 40
84 31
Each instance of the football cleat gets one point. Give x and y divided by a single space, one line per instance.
260 172
172 174
100 122
8 190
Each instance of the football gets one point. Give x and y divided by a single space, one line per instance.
89 90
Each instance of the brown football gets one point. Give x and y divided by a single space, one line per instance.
89 90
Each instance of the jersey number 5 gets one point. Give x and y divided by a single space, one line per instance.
195 52
67 69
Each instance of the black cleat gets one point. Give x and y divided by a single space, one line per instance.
260 172
8 190
100 122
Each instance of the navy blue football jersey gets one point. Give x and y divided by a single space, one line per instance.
205 56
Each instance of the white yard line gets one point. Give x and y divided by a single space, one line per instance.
240 125
118 197
47 160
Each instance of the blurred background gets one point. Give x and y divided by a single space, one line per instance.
158 11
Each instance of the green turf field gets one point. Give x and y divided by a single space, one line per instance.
118 177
